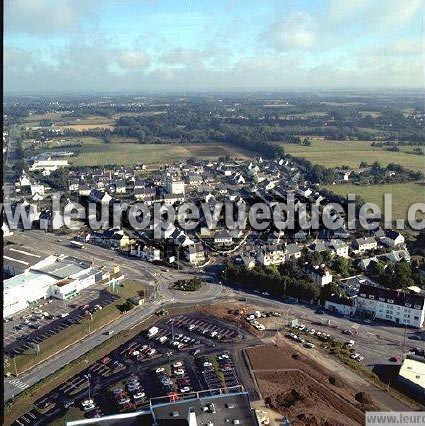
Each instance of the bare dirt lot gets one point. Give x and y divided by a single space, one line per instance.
301 389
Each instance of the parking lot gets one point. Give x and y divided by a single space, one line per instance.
148 367
50 317
204 327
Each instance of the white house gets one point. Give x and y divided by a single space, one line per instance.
397 306
99 196
195 253
149 253
37 188
271 255
173 186
24 180
392 238
319 274
344 306
339 248
222 237
364 244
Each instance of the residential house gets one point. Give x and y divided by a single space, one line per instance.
117 186
73 185
170 199
173 186
84 190
115 238
37 188
293 251
341 305
271 255
99 196
338 247
392 238
194 180
304 191
223 237
24 180
300 236
142 193
147 252
194 253
398 306
319 274
364 244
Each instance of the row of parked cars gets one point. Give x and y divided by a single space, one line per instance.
312 332
90 408
131 395
297 338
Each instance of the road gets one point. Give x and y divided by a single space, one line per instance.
371 338
149 274
9 174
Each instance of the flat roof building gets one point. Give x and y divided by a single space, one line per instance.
220 409
17 260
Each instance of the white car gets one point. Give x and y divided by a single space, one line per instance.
356 356
140 395
178 364
301 327
185 389
160 370
309 345
312 331
89 407
179 372
87 402
135 353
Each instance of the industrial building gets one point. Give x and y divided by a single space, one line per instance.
17 260
61 277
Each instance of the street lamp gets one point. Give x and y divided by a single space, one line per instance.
88 376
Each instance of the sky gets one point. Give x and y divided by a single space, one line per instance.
206 45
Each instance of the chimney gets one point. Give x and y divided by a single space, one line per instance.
192 417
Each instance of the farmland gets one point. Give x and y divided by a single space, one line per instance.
403 194
351 153
95 153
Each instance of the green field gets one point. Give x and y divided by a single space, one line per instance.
96 153
403 195
352 153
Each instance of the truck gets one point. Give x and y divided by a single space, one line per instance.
77 244
153 331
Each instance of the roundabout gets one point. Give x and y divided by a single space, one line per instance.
207 292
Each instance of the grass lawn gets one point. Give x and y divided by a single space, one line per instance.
352 153
77 331
93 154
72 414
403 194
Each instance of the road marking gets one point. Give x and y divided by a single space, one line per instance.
18 383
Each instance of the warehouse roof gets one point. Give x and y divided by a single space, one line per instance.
20 257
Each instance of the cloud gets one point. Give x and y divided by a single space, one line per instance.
405 47
383 15
131 59
296 31
42 17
